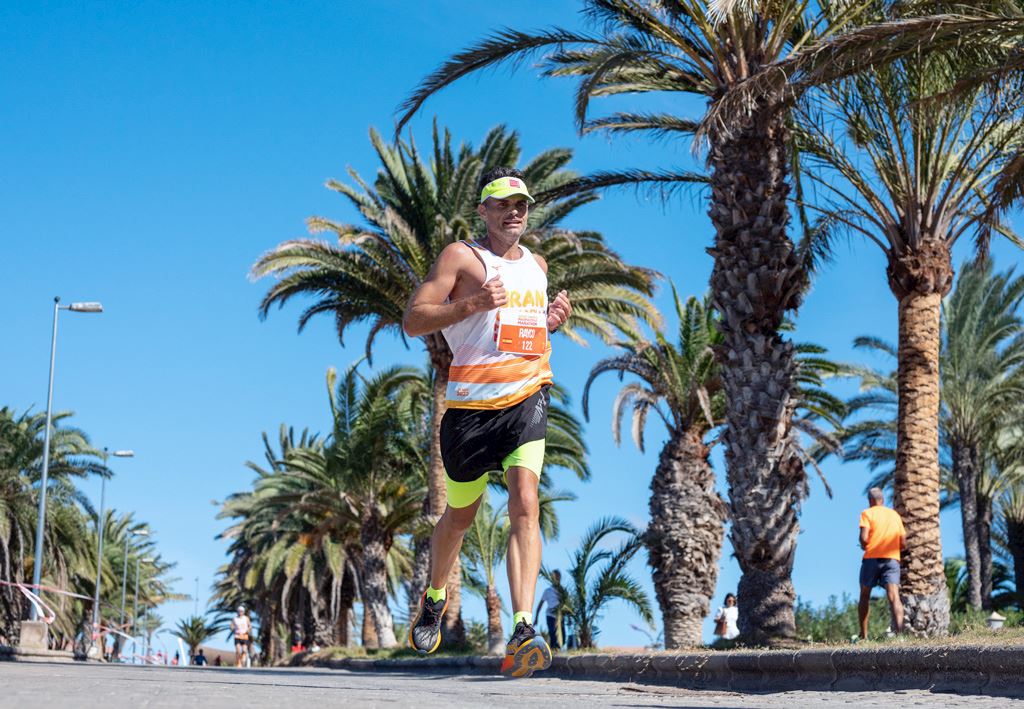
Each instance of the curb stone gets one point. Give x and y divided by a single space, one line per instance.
744 672
997 671
20 654
860 671
956 672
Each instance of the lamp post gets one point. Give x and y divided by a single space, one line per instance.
135 599
124 572
37 572
99 531
124 579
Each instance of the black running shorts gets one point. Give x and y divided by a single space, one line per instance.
477 441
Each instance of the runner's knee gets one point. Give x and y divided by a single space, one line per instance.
460 518
523 501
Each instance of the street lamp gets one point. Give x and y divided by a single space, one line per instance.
135 599
37 573
100 526
124 572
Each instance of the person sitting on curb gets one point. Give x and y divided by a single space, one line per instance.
882 537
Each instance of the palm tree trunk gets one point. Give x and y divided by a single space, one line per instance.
757 278
369 630
584 636
419 576
684 539
10 599
495 633
965 471
375 581
269 642
346 599
919 280
454 633
321 629
985 549
1015 542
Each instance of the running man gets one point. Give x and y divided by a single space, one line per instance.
489 299
882 537
241 628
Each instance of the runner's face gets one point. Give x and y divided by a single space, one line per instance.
505 218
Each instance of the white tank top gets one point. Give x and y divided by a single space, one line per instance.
492 362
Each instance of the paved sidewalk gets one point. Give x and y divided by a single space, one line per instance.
60 686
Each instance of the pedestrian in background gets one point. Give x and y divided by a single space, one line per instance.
726 619
552 598
882 537
241 627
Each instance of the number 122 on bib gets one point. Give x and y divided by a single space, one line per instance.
522 333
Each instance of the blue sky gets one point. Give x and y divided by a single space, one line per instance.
152 151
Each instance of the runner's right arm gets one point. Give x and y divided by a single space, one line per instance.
430 310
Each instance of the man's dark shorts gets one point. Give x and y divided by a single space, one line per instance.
879 572
475 441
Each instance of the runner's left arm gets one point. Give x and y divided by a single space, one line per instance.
560 308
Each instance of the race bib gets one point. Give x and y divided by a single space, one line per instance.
522 333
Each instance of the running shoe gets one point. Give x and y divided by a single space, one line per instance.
527 652
425 631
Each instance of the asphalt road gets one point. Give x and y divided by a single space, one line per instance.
24 684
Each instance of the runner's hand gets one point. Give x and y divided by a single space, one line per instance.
559 311
491 295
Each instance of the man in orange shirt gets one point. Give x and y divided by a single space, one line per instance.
882 537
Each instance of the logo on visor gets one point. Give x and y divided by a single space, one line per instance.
514 183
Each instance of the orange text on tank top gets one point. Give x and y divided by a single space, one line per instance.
492 367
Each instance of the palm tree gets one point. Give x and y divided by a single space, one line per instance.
65 537
1008 534
148 625
141 543
284 574
980 378
917 180
483 549
750 61
412 211
196 630
955 571
369 477
682 383
591 586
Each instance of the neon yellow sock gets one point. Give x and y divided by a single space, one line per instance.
524 616
437 594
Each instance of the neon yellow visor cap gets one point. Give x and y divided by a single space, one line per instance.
505 187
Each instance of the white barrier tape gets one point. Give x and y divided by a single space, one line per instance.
41 608
39 605
114 631
48 589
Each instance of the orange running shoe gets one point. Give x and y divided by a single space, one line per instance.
527 652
